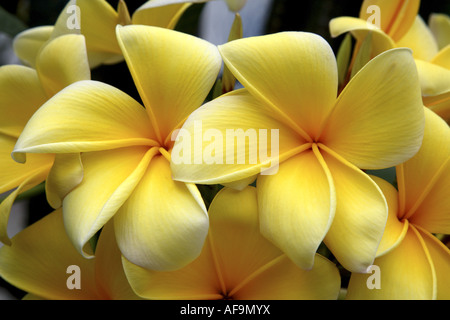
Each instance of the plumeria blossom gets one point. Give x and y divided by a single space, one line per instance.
413 263
23 90
160 223
41 258
400 25
97 21
237 262
318 192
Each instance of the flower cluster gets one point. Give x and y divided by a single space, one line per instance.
259 180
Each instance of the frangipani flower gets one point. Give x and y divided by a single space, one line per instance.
413 263
318 192
97 21
23 90
237 262
43 262
159 223
401 26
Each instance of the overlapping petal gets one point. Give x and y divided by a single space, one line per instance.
300 88
374 132
56 73
297 206
406 273
209 147
161 226
158 66
360 218
113 175
440 27
424 179
159 13
28 43
86 116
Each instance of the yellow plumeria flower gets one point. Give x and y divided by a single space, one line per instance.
23 90
237 262
319 191
97 21
399 26
160 223
412 262
43 262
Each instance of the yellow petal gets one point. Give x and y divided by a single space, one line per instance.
404 273
86 116
434 79
360 29
21 94
368 126
65 174
395 229
440 26
14 173
360 218
420 39
38 260
109 179
425 178
161 226
62 62
439 104
230 139
32 180
154 13
442 58
28 43
250 266
396 16
173 72
297 206
440 256
300 87
109 272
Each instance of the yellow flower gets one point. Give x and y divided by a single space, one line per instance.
43 262
22 91
399 26
320 141
97 21
237 262
159 223
413 263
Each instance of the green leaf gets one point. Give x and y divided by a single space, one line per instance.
343 58
364 54
10 24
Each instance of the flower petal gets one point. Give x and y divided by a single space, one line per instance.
396 16
161 226
371 111
65 174
250 266
109 179
420 39
21 94
296 206
38 259
28 43
395 229
360 28
439 104
360 219
424 179
434 79
62 62
440 256
440 26
230 139
153 13
173 72
109 272
442 58
300 87
86 116
404 273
